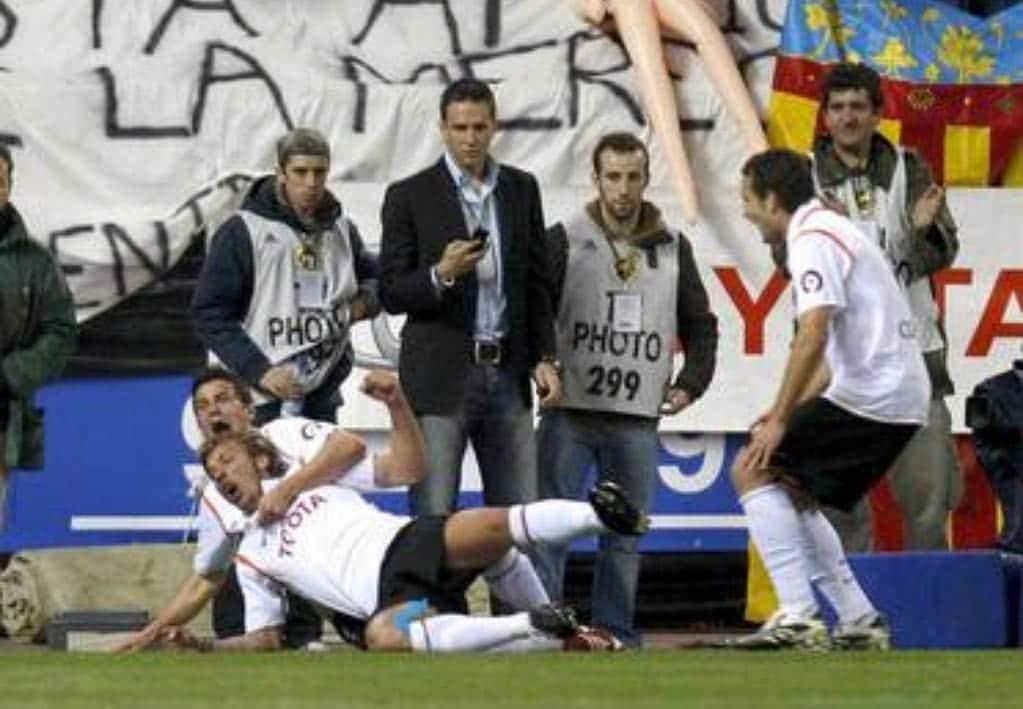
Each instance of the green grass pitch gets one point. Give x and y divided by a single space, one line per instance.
631 680
682 680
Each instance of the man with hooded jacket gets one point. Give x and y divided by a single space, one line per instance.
284 280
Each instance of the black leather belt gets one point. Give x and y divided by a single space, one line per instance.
488 351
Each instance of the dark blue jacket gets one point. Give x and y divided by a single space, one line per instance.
226 282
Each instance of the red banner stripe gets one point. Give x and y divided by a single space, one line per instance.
924 110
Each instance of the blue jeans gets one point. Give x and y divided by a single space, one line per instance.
500 427
624 449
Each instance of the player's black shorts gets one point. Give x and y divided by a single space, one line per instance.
837 456
414 568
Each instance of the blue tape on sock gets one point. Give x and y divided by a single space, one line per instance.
413 610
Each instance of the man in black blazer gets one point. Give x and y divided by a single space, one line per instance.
463 257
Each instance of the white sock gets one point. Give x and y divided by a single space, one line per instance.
537 642
553 522
775 529
453 632
829 569
513 579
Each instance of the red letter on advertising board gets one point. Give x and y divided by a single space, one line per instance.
992 323
753 312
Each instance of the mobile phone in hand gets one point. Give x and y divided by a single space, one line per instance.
480 235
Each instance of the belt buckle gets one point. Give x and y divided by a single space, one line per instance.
484 352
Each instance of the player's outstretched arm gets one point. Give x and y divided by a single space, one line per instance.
175 638
260 640
340 452
192 597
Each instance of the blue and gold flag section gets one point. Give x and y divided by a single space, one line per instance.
953 83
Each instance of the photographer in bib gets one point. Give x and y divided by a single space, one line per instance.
617 352
284 280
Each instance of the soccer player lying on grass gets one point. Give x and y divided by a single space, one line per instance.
221 401
405 579
315 452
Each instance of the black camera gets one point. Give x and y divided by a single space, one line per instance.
979 413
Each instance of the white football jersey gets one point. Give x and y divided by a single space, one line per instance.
297 440
877 371
329 548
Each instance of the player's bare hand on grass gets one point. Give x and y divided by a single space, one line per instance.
140 641
177 638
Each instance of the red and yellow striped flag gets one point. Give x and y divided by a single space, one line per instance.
953 83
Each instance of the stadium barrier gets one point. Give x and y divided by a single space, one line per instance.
944 599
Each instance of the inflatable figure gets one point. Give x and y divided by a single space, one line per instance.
640 24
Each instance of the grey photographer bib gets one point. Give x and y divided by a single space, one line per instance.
616 322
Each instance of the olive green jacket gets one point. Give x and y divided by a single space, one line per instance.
37 334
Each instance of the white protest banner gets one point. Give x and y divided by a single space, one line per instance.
136 124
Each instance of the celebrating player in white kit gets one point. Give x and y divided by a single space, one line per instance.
404 579
855 389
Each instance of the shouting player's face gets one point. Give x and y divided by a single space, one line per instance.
235 472
218 408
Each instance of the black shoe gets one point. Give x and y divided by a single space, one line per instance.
555 620
616 511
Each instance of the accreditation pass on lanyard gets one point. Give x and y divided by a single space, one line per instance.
312 288
626 311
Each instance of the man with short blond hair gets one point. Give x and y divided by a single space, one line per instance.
283 282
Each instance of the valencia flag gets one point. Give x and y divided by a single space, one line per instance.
953 83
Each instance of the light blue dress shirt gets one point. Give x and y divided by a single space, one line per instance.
479 207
